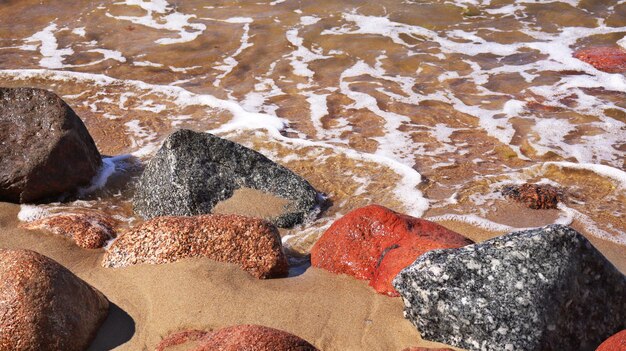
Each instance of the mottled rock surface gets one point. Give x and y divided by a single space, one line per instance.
375 243
535 196
236 338
425 349
606 58
251 243
193 171
44 306
45 149
88 230
546 289
616 342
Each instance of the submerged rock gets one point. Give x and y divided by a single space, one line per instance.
193 171
235 338
45 149
88 230
535 196
375 243
44 306
251 243
605 58
616 342
545 289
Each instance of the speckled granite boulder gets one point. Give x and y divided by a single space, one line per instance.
546 289
251 243
45 149
236 338
194 171
88 230
616 342
44 306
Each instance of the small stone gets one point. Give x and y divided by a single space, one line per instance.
616 342
251 243
535 196
605 58
88 230
552 290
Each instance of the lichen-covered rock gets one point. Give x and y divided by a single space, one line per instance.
616 342
237 338
375 243
46 150
44 306
545 289
88 230
193 171
535 196
605 58
251 243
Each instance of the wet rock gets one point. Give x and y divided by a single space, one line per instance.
616 342
535 196
193 171
235 338
605 58
251 243
375 243
545 289
44 306
88 230
425 349
45 149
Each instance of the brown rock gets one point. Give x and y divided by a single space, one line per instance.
44 306
46 150
616 342
237 338
88 230
252 243
535 196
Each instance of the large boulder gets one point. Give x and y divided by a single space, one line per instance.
251 243
375 243
44 306
544 289
616 342
193 171
235 338
46 150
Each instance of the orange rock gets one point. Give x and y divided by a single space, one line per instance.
88 230
535 196
375 243
251 243
608 59
616 342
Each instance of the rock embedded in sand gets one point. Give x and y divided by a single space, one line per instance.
540 289
236 338
88 230
535 196
251 243
605 58
616 342
193 171
45 149
375 243
44 306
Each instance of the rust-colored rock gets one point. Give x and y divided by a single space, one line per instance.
425 349
535 196
605 58
236 338
88 230
251 243
44 306
616 342
375 243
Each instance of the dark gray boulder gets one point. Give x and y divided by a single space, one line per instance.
546 289
45 149
194 171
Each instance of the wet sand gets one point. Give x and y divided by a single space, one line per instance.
253 203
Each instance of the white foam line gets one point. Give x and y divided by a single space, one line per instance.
572 214
603 170
476 221
48 47
230 62
108 168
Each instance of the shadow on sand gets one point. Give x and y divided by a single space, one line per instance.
117 329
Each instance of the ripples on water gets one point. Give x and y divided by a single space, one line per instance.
427 107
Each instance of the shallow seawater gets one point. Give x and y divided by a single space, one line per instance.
427 107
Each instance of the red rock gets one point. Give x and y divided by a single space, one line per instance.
236 338
616 342
88 230
535 196
608 59
44 306
251 243
375 243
